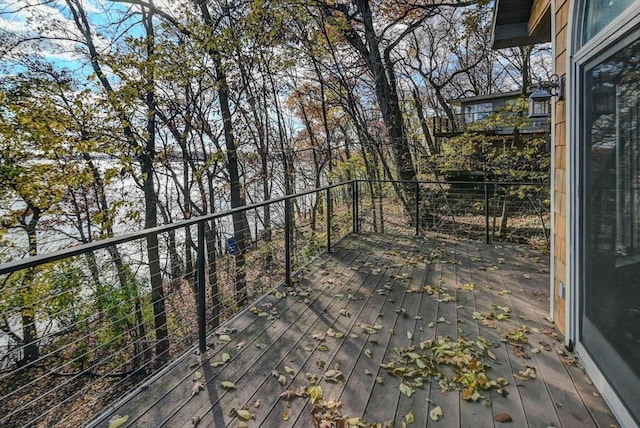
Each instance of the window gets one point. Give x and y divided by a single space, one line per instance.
477 112
598 14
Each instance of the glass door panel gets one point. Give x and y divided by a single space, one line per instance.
610 303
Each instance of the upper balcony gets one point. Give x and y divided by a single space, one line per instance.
491 114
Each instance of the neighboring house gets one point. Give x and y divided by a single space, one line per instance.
476 110
492 117
595 285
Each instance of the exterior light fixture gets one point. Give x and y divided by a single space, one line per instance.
603 95
540 98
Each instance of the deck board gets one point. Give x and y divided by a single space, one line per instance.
365 281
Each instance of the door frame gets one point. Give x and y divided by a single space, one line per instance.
617 34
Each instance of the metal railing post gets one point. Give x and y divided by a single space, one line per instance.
328 219
354 194
287 242
417 208
486 212
202 326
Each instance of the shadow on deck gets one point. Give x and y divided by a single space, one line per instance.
368 304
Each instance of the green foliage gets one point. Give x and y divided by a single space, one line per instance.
314 244
515 157
353 167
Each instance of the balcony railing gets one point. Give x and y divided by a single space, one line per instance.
85 325
443 126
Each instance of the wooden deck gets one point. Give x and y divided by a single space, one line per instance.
365 305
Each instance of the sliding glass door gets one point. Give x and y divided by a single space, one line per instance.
610 295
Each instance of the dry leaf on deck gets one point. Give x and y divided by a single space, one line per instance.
436 413
228 385
117 421
197 387
503 417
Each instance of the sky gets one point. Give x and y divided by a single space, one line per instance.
52 34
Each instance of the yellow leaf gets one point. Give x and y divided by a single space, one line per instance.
315 393
117 421
436 413
409 417
228 385
243 414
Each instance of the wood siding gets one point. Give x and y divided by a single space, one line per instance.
559 209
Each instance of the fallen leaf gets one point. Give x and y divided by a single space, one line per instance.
527 374
195 420
225 338
313 379
290 394
257 403
285 416
197 375
503 417
289 370
244 414
368 353
409 335
409 417
194 365
227 385
117 421
315 393
471 396
436 413
215 364
197 387
333 376
282 380
323 348
406 390
226 357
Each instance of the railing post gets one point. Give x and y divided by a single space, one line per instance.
328 219
486 212
417 208
202 326
287 242
354 194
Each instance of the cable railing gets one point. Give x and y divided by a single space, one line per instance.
82 327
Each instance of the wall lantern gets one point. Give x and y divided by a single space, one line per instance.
603 98
540 98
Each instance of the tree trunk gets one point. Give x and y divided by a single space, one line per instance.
151 204
30 349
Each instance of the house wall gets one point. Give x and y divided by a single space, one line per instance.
560 173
